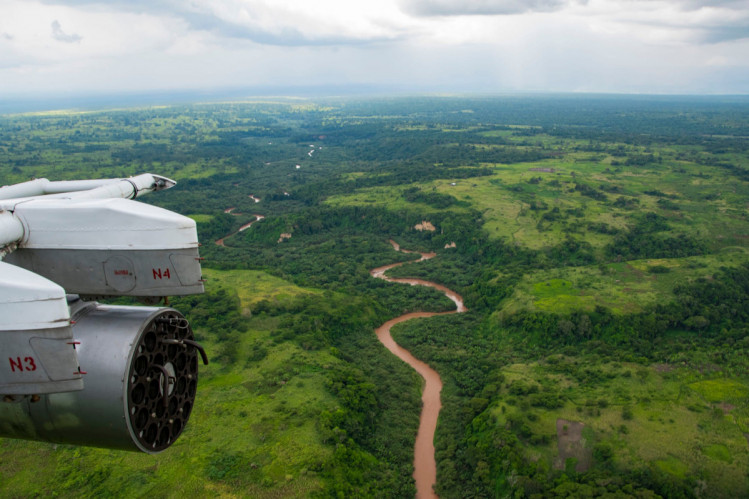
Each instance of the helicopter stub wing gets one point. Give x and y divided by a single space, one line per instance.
64 241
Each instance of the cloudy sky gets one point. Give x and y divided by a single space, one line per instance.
50 47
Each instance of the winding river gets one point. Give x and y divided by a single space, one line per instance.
425 466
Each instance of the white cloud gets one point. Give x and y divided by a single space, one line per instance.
274 22
675 21
479 7
59 35
87 34
504 45
289 22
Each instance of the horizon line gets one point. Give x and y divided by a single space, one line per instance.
100 101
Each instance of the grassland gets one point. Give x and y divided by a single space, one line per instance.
253 286
623 288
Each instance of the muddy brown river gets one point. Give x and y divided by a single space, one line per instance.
425 466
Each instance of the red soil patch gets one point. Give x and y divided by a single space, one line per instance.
571 444
726 407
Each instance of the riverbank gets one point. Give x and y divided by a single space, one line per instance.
425 466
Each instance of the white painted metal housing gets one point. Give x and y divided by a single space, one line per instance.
84 237
29 301
36 336
94 242
109 247
114 224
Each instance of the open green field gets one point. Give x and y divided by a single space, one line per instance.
390 197
626 287
252 286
